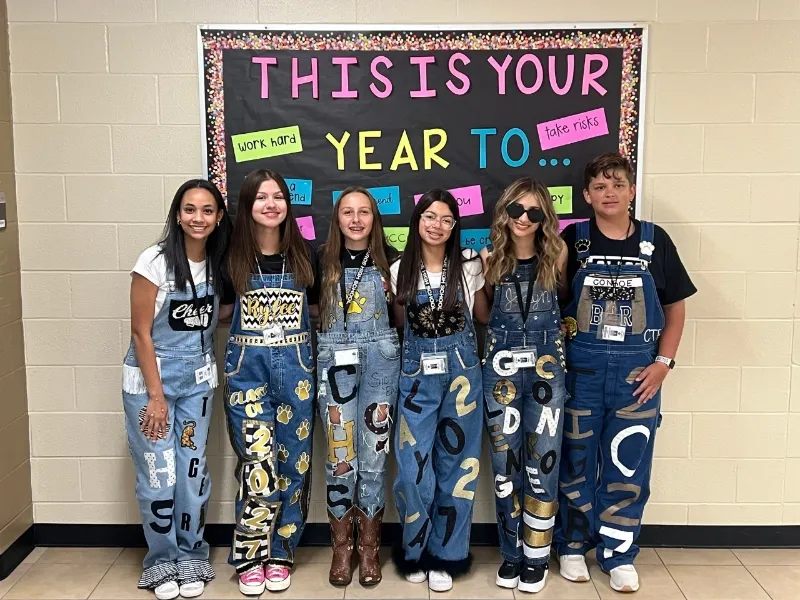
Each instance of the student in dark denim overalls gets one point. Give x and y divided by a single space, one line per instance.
169 376
523 378
358 356
440 406
269 383
624 321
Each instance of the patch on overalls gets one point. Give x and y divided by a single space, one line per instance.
303 430
283 453
287 530
283 483
348 442
262 307
302 390
302 463
504 391
258 515
405 434
631 378
187 434
296 496
545 360
143 414
549 419
284 414
258 478
259 441
355 306
462 384
250 547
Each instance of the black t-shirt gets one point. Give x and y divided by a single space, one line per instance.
672 281
272 264
351 259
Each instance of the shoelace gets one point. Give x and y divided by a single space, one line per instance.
253 574
276 573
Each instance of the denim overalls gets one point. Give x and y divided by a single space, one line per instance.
350 394
269 402
525 415
173 484
438 444
603 420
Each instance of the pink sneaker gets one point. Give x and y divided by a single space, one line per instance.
278 578
251 582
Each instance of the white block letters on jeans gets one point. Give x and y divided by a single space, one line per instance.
618 439
169 458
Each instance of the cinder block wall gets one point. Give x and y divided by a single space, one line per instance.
106 126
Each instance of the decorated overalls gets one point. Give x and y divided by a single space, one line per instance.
269 401
359 368
173 484
614 321
438 437
523 383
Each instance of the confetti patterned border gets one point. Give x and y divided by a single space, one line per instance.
216 41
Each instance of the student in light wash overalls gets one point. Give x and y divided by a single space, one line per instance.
359 367
169 376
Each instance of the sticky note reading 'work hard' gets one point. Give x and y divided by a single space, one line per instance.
300 191
306 225
266 144
469 200
576 128
396 236
477 239
387 197
562 199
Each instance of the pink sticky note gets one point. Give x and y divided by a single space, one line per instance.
562 223
572 129
469 199
306 225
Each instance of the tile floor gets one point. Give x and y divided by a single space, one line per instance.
667 574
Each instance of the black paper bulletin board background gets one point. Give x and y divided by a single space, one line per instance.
496 105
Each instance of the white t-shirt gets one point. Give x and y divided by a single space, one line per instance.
153 266
473 276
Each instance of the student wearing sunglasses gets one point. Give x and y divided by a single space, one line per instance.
523 378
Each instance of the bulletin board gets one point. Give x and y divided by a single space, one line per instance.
401 111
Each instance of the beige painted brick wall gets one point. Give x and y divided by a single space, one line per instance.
109 89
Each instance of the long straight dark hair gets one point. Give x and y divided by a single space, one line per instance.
173 244
408 276
244 245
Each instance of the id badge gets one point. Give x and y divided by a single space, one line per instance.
273 333
346 356
204 373
434 363
611 328
523 357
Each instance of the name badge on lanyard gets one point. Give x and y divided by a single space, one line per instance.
434 363
523 357
207 372
346 356
611 328
347 299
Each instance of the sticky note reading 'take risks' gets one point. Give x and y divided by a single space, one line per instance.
266 144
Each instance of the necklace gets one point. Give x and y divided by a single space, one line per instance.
353 256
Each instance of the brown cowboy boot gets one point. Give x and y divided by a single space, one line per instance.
369 544
342 540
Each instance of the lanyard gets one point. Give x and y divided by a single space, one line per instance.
347 299
526 308
264 285
623 243
436 307
205 302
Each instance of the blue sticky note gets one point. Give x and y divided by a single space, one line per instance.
477 239
387 197
300 191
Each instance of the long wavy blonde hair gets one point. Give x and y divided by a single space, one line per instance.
547 241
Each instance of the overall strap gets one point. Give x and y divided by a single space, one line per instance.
582 240
646 237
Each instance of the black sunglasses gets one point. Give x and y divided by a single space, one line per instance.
515 210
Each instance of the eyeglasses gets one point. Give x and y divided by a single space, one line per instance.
446 222
515 210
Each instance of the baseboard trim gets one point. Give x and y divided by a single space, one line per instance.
482 534
17 552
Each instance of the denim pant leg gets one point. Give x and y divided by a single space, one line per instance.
456 463
504 415
192 421
380 374
543 420
156 477
626 453
338 409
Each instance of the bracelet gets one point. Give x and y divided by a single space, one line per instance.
667 361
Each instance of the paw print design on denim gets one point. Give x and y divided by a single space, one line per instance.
296 496
283 483
284 414
302 390
354 308
304 429
283 453
287 530
302 463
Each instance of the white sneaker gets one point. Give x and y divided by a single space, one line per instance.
624 579
167 591
416 577
439 581
192 590
573 567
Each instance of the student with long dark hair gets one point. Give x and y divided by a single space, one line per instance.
169 376
359 367
440 406
269 382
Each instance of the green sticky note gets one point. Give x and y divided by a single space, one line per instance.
396 236
266 144
562 199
